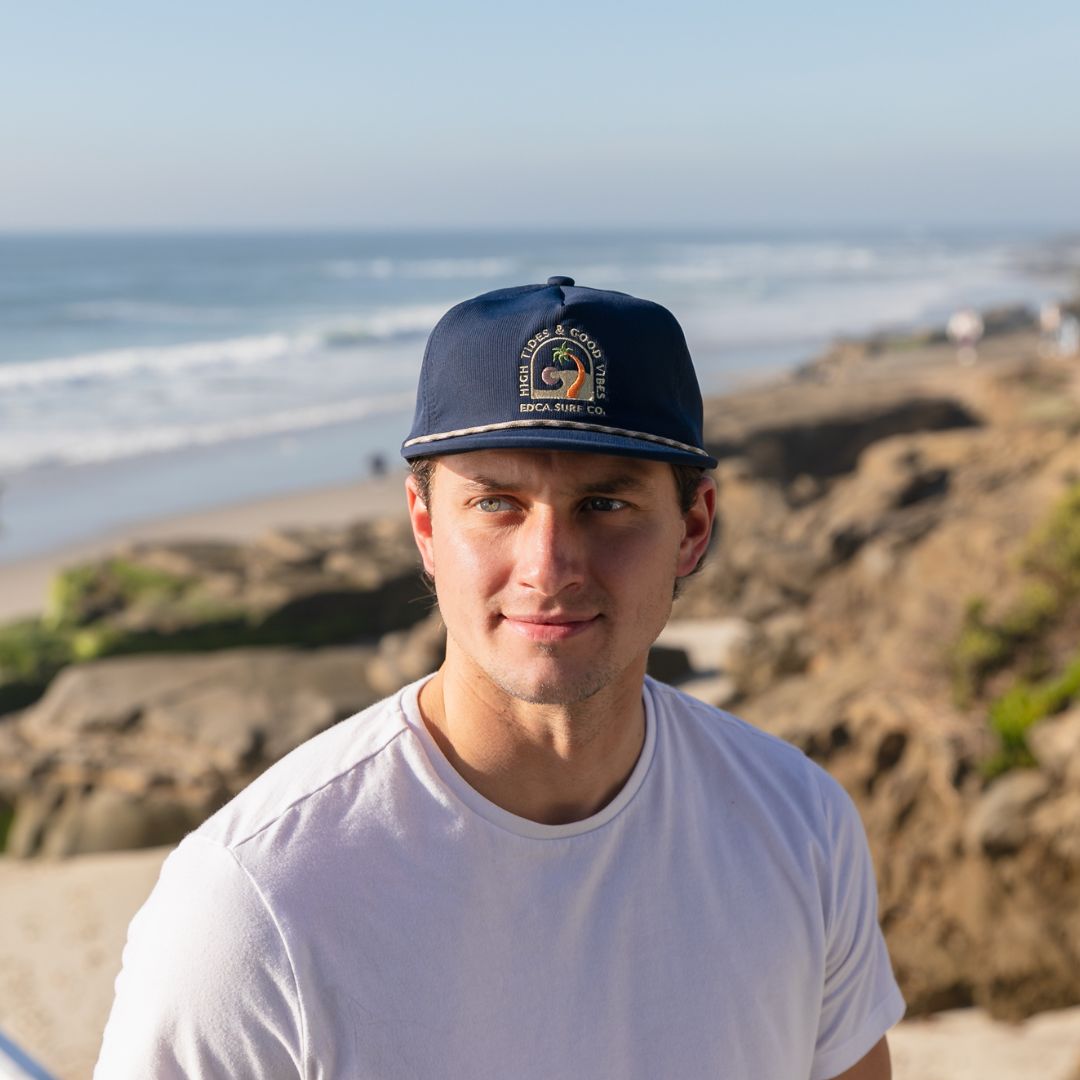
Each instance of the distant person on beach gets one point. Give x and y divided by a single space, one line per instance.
1068 342
965 331
537 862
1059 331
1049 329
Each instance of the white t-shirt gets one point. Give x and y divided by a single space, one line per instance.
360 911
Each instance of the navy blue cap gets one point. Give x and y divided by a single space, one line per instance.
559 367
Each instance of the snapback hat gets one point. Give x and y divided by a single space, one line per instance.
559 367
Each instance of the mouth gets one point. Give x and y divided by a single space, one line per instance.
550 628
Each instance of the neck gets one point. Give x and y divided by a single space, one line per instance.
552 764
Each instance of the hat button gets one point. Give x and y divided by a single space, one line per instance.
560 280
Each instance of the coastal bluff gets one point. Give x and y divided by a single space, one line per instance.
894 587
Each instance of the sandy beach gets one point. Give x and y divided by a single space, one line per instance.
63 931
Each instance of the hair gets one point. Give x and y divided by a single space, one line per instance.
687 481
423 471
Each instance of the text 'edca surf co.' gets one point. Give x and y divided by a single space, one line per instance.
563 372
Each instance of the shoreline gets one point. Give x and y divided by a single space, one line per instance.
24 582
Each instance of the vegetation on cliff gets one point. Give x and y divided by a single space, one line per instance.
1029 643
303 588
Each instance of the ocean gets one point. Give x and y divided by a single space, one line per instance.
148 375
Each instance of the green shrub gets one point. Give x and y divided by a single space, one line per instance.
1035 611
136 581
1051 560
67 589
978 651
7 816
984 647
31 653
1054 550
30 650
81 593
1014 714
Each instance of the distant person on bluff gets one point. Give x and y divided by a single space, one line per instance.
537 862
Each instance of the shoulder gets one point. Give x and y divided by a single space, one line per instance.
207 985
733 754
331 763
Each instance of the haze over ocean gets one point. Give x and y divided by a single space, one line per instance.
143 375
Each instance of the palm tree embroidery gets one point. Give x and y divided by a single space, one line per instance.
562 353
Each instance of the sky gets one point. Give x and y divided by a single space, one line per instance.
244 115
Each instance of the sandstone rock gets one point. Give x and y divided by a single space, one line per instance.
358 567
719 691
33 810
820 432
190 558
999 822
407 655
137 751
104 696
106 820
789 644
1055 742
291 547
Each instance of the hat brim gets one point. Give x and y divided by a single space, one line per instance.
558 438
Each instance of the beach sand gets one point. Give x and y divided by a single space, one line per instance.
24 583
63 930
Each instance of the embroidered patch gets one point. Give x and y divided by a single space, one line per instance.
564 371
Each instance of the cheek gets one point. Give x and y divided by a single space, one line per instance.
465 563
639 555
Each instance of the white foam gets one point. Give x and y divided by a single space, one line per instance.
146 311
30 449
386 325
731 262
382 325
120 363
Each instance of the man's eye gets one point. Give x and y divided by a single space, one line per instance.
492 505
603 503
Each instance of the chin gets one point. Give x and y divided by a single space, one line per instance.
570 688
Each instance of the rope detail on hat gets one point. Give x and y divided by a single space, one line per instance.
571 424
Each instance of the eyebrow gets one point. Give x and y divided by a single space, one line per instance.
609 485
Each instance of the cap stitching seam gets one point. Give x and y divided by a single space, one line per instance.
572 425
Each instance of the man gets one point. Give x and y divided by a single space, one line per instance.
537 862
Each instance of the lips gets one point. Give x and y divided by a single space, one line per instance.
550 627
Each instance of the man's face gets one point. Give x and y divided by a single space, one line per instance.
555 570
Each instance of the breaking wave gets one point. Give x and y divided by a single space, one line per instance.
379 327
29 450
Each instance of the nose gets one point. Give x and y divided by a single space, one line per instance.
551 553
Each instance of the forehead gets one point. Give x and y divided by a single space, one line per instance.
561 469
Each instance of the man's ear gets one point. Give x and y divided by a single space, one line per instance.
697 527
420 519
